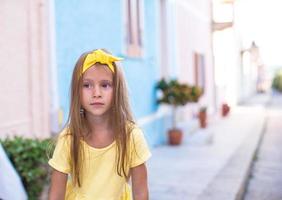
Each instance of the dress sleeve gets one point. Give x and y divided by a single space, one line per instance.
61 159
140 152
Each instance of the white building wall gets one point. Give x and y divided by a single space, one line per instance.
227 66
193 29
24 100
235 72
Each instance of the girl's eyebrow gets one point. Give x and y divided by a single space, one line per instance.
103 80
106 80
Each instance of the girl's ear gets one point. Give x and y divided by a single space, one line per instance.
82 112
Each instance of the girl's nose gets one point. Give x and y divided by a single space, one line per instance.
96 92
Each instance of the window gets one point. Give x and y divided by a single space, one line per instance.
199 69
134 26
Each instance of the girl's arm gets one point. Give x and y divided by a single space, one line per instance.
58 185
139 182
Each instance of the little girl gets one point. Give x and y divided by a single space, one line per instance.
101 147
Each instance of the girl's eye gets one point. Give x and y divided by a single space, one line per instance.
106 85
86 85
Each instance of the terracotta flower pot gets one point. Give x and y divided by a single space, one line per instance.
175 136
225 110
202 119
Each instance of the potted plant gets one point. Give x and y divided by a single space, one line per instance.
203 117
176 94
277 81
225 108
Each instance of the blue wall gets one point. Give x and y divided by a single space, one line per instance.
82 26
89 24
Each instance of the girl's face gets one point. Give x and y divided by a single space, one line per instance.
97 90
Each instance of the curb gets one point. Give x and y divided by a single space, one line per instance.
231 181
242 191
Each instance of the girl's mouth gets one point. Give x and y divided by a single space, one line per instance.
97 104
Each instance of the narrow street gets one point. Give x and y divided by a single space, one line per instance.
219 170
211 170
266 175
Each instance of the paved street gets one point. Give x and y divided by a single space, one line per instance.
211 163
266 178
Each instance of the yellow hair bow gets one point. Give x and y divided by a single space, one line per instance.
101 57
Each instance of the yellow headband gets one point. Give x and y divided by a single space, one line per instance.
101 57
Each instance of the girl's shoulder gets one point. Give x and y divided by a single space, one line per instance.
135 131
132 127
64 134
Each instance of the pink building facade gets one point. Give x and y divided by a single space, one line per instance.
24 68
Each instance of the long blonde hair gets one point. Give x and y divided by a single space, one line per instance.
120 114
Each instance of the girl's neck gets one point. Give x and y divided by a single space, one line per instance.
101 134
99 125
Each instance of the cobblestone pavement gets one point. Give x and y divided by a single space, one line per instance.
266 178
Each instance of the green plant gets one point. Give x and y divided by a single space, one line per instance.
29 157
277 81
177 94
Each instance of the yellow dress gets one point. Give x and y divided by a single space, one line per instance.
99 179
